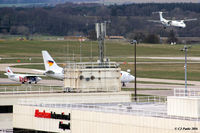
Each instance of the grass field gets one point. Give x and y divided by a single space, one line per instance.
13 48
40 67
147 82
2 75
116 50
157 70
165 71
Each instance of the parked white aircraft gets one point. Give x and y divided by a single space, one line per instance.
126 77
22 77
54 71
171 23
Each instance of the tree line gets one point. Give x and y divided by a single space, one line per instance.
79 19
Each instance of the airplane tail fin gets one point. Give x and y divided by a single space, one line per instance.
161 16
49 63
9 71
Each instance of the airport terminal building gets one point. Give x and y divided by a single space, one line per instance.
116 115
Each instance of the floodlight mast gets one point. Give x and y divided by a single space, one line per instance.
135 43
185 49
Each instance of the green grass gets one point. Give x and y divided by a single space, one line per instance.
77 59
145 82
118 51
33 37
6 85
156 70
13 48
165 71
2 74
21 60
40 67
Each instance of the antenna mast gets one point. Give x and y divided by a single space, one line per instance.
101 33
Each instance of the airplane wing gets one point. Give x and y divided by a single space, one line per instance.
43 71
187 20
30 76
155 21
27 75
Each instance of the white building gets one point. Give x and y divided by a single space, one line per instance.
87 77
119 115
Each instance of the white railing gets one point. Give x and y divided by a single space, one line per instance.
94 100
84 65
191 92
6 130
130 108
26 90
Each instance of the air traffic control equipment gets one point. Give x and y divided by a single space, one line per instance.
101 33
93 76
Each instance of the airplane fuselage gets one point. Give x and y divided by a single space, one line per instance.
22 79
55 71
174 23
125 76
15 77
59 76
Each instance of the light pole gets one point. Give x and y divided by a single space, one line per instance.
135 43
80 50
185 49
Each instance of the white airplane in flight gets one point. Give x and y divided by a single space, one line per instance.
171 23
54 71
22 77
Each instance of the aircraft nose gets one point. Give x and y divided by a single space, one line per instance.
132 78
39 79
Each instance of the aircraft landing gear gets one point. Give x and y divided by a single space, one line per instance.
23 83
123 84
67 90
29 82
35 82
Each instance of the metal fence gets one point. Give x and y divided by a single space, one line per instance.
27 90
93 100
85 65
6 130
158 106
190 92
